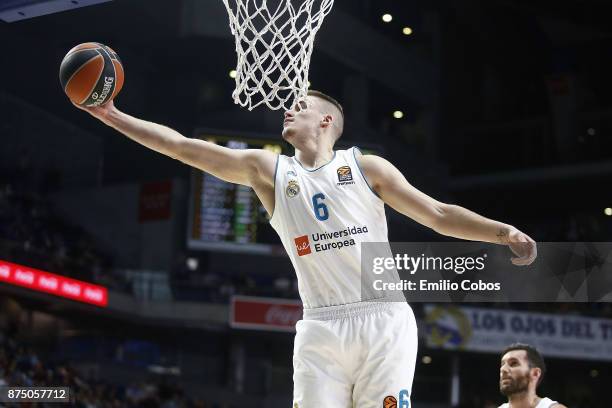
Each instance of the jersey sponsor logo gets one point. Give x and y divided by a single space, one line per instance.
347 232
292 189
325 241
302 244
345 176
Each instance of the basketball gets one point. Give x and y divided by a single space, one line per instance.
91 74
390 402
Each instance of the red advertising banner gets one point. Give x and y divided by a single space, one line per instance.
155 201
52 284
248 312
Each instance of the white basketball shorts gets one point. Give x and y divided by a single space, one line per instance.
360 355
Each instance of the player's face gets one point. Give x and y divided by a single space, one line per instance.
302 119
514 373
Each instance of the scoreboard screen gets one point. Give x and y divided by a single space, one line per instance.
229 217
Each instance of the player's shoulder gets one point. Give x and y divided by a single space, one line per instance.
263 156
374 168
548 403
365 159
264 164
554 405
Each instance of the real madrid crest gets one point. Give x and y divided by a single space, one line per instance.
293 188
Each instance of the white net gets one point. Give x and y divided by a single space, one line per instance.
274 42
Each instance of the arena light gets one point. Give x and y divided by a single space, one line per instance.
608 211
591 131
594 373
232 74
387 18
407 30
398 114
426 360
192 264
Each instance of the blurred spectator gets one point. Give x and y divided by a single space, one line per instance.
21 365
33 235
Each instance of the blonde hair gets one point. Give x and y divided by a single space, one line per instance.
339 123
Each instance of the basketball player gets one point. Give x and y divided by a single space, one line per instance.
522 370
323 204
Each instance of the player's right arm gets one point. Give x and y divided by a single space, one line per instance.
247 167
450 220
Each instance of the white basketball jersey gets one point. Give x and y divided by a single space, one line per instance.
322 216
544 403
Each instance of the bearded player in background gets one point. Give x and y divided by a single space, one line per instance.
522 371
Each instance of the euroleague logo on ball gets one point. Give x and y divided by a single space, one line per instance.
391 402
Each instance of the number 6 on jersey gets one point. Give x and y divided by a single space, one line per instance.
320 209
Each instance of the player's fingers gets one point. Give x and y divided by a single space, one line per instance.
523 252
94 111
527 258
520 261
84 108
520 249
531 249
534 250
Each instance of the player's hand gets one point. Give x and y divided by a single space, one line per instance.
99 112
523 247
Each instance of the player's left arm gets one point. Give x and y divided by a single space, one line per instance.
446 219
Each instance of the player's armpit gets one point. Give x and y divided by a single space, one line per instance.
393 188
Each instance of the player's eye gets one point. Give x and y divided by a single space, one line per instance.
300 106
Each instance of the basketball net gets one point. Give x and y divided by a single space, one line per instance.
274 42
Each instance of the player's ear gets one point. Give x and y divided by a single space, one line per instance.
327 121
536 372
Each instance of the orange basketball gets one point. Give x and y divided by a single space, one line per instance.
91 74
390 402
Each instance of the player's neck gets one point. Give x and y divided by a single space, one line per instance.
314 160
314 155
524 400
